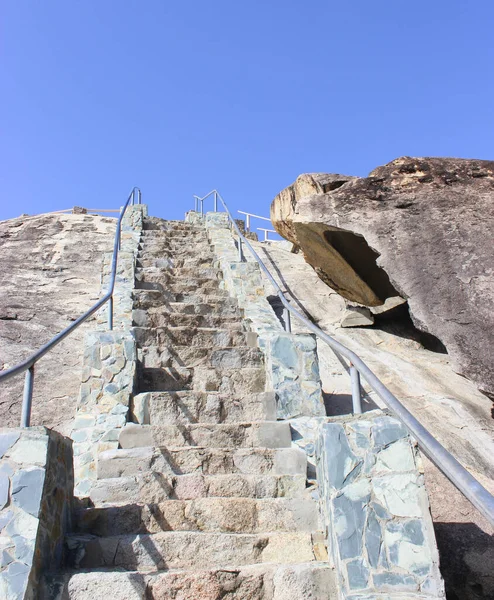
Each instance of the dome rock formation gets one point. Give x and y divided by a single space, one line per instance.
420 228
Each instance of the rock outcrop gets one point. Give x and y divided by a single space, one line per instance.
50 274
420 228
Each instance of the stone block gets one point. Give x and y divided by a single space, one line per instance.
292 371
7 439
380 532
111 358
27 488
39 498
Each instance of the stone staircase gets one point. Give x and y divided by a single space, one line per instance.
205 499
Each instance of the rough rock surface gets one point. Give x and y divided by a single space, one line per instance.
419 227
49 275
448 405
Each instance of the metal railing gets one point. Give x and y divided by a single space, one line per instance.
446 462
247 224
266 233
28 364
248 216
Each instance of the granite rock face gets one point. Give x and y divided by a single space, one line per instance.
416 227
50 274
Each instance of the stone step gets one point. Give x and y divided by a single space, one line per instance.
222 308
172 229
246 380
143 318
268 434
299 581
153 486
146 299
237 357
164 281
179 237
160 408
188 550
157 303
174 259
174 248
215 515
165 268
212 337
206 461
157 224
172 276
153 298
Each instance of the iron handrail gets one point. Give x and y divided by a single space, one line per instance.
27 365
435 451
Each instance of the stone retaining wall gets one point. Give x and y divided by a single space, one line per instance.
109 363
109 370
124 282
36 492
380 534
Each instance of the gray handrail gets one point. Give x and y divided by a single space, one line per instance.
27 365
436 452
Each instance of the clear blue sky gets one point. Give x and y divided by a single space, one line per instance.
181 97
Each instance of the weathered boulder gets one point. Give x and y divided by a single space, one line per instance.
420 228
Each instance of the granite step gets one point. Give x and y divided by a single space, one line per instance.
206 461
302 581
236 357
266 434
188 550
232 335
157 224
146 299
164 267
221 308
203 378
142 318
172 276
174 247
163 281
189 260
183 232
158 305
215 515
182 407
153 486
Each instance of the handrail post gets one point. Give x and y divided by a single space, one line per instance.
356 390
202 207
288 320
139 196
266 235
215 202
247 223
240 253
110 312
27 399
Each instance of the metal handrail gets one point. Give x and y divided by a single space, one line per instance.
27 365
248 216
266 233
436 452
